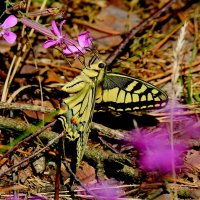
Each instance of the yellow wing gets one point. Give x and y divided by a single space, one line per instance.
77 111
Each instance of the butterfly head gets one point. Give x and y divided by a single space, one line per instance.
96 70
99 66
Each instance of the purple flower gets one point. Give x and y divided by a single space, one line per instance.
106 190
5 32
189 126
37 198
59 37
156 152
38 27
192 130
84 44
162 159
22 197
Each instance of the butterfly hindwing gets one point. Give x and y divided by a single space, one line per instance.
123 93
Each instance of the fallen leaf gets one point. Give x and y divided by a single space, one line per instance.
85 173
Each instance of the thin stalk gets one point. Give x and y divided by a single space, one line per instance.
176 93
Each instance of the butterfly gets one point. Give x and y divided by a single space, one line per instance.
97 89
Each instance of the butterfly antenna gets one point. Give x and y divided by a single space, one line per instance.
82 61
93 59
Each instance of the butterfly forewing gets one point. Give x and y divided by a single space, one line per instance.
123 93
76 114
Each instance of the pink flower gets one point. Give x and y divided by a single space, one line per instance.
57 32
22 197
37 27
189 126
60 38
106 190
155 151
162 158
84 44
57 37
38 198
5 32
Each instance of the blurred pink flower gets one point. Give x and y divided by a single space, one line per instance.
189 126
5 32
83 45
23 197
191 129
162 158
37 198
155 151
106 190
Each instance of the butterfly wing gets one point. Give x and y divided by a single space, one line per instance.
77 114
123 93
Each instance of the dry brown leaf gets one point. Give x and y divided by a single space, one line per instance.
86 173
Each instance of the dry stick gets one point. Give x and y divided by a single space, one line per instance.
26 140
58 175
183 18
162 42
32 156
96 27
190 26
25 106
77 179
166 79
110 59
169 72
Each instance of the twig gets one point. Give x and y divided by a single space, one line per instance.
169 72
115 134
135 30
26 140
23 106
21 126
32 156
77 180
50 64
96 27
58 172
162 42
